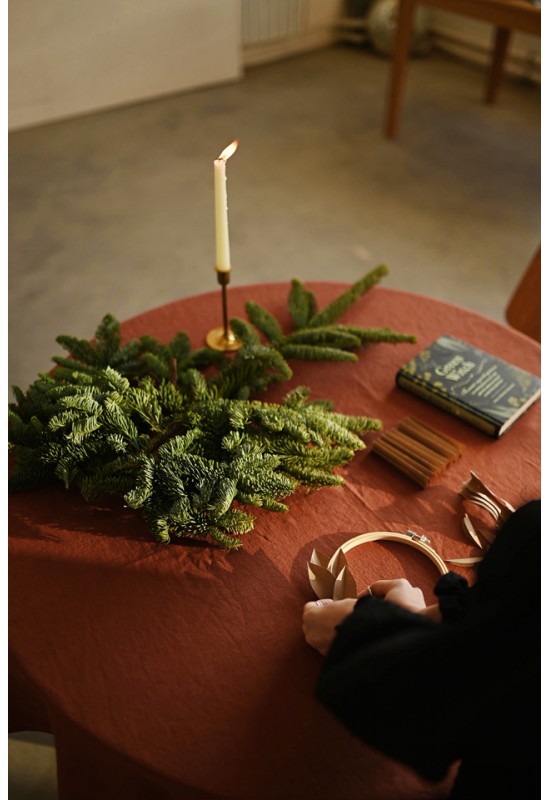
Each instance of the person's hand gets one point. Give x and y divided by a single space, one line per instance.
400 592
320 620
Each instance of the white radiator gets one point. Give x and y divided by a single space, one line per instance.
271 20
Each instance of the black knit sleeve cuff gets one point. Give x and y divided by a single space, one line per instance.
454 597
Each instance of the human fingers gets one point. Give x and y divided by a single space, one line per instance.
320 620
381 588
312 607
401 592
313 604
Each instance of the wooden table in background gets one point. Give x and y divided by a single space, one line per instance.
504 15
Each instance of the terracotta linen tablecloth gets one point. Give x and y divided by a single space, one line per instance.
180 671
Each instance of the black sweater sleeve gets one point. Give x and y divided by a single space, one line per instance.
385 679
427 693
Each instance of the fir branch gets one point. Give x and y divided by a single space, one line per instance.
107 338
245 333
254 368
351 423
80 349
68 368
266 482
116 476
321 457
83 427
180 346
264 321
376 335
158 366
297 397
310 352
309 476
237 521
19 398
273 505
201 359
301 304
329 335
335 309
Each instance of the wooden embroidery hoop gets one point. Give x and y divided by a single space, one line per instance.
331 577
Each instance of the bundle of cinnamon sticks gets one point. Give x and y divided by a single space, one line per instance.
417 450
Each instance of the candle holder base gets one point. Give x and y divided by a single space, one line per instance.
217 339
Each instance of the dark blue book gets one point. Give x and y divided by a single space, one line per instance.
475 386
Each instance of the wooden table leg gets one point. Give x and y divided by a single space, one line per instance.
399 66
500 48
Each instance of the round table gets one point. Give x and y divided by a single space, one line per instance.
180 671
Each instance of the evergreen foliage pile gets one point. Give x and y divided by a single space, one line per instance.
192 450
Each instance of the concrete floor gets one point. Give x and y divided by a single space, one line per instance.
114 211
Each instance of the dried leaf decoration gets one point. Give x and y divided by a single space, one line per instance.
331 578
465 562
476 492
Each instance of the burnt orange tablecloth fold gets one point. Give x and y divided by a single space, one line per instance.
180 671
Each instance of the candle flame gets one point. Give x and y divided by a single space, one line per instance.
229 150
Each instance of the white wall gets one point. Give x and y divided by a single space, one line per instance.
68 57
325 12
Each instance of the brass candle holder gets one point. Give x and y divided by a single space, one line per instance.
223 338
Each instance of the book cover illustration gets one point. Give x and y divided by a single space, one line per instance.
470 383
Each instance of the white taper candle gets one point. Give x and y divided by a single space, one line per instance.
223 259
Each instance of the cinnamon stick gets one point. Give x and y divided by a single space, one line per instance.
422 435
417 472
413 447
439 434
418 450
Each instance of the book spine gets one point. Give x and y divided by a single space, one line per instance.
447 404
